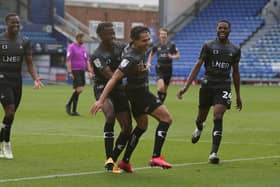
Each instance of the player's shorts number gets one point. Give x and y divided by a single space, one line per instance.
227 95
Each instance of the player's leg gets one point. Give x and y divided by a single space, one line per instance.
142 123
222 102
109 114
10 99
78 91
161 89
124 119
163 116
219 110
71 99
200 123
205 102
78 85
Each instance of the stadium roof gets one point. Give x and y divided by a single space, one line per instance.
121 4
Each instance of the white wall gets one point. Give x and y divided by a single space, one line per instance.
176 7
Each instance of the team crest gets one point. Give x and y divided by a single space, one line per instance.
215 51
97 63
124 63
4 46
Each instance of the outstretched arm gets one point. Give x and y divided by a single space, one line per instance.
190 79
236 82
108 88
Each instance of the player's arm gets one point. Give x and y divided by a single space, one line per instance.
32 72
68 62
236 82
175 56
108 88
150 58
191 78
69 69
175 53
90 69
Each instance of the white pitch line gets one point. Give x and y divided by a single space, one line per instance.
139 168
224 142
168 139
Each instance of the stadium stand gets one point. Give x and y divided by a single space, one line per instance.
243 14
261 62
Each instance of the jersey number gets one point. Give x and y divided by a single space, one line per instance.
226 95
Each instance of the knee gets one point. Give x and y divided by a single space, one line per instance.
10 112
127 130
110 118
167 119
218 116
79 90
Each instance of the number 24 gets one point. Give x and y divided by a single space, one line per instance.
227 95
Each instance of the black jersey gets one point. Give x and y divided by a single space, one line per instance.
162 52
102 58
134 68
12 53
218 59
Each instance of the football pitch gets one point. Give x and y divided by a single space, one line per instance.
54 149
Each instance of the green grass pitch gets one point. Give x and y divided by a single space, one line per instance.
53 149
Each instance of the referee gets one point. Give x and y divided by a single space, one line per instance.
77 63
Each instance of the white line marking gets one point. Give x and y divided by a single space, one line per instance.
224 142
168 139
140 168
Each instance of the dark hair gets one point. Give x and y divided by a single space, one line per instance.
9 15
224 21
137 30
79 34
163 29
101 27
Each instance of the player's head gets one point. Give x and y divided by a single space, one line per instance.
163 34
105 31
223 29
13 23
140 36
80 38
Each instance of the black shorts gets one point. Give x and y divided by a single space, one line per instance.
10 95
79 78
164 72
142 102
209 96
118 98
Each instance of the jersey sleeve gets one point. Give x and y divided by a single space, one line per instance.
237 56
173 49
69 54
154 49
86 56
125 66
98 63
203 52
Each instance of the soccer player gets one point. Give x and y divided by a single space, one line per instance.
218 57
166 51
142 101
77 63
14 48
105 60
